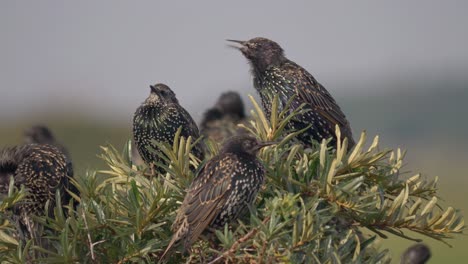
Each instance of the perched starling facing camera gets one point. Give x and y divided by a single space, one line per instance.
221 192
416 254
43 170
274 74
158 119
220 122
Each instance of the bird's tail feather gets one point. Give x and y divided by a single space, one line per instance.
180 235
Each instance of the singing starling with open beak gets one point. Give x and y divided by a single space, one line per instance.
158 119
42 169
220 122
274 74
223 189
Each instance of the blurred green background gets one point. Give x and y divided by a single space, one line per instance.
397 68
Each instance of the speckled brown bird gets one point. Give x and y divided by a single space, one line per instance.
42 169
158 119
221 121
274 74
221 191
41 134
416 254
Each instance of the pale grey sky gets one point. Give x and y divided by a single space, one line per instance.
103 55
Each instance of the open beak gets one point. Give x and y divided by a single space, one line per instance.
242 44
236 41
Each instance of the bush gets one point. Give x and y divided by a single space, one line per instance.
318 205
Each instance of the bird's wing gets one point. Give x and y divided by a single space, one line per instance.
312 92
181 117
204 200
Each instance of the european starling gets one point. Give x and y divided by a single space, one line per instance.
158 119
230 104
221 192
42 170
416 254
220 122
274 74
40 134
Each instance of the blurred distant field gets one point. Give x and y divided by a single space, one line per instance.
425 124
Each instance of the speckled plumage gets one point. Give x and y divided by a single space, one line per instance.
221 192
43 170
41 134
274 74
220 122
158 119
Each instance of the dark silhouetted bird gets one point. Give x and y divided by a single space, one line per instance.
41 134
220 122
42 170
224 188
230 104
274 74
158 119
416 254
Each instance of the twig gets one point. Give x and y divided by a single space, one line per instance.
91 245
262 253
236 244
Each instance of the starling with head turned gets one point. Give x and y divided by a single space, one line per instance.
223 189
220 122
42 169
157 120
274 74
416 254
